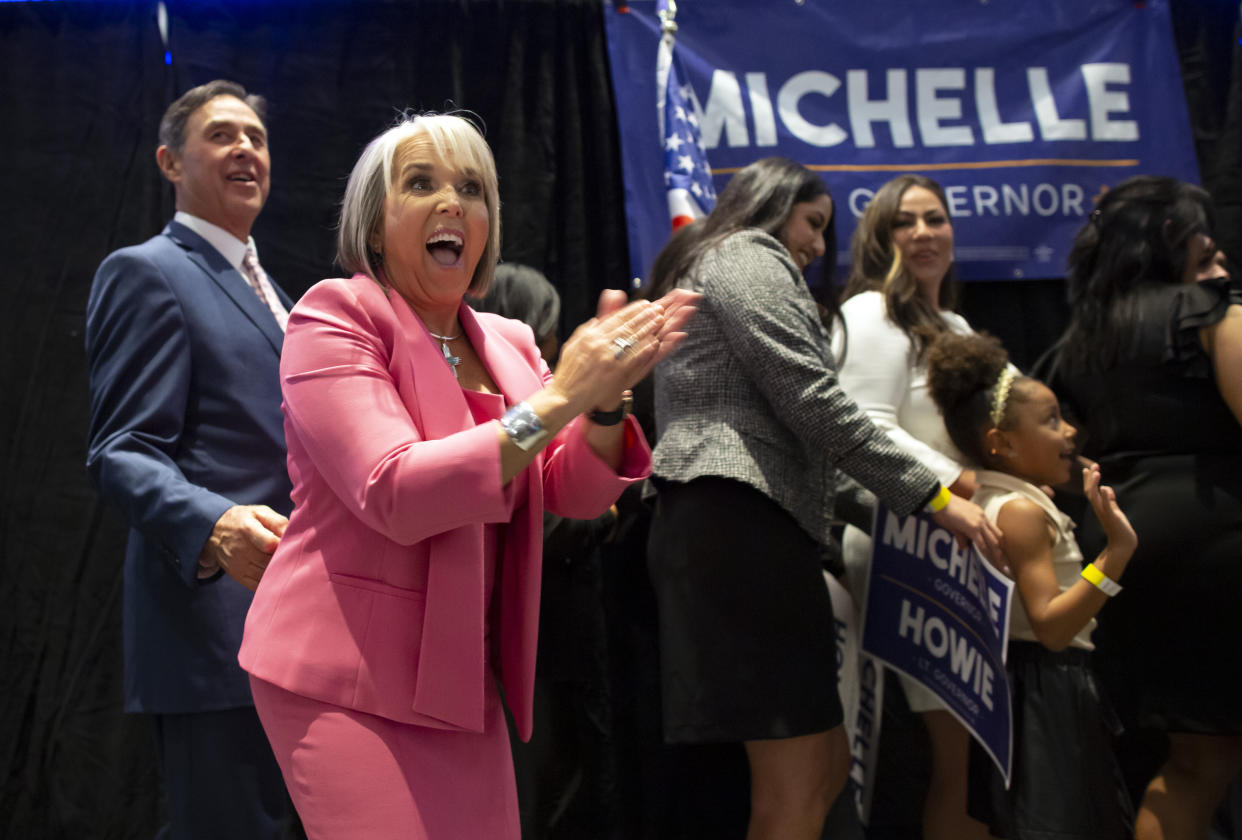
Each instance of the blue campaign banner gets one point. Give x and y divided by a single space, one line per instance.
1024 112
940 614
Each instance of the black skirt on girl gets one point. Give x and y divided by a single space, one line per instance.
1065 784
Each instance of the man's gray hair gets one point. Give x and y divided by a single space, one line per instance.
362 210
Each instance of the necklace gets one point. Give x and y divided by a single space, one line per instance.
449 358
453 361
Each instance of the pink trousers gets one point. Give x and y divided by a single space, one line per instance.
354 775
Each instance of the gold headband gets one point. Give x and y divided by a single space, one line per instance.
1000 393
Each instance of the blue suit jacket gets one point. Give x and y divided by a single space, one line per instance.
185 423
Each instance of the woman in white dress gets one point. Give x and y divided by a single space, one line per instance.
898 298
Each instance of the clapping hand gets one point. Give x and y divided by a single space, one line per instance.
620 345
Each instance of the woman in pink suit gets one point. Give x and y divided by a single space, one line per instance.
425 442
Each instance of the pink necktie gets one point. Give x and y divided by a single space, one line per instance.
257 278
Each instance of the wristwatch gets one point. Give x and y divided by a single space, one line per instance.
612 418
524 427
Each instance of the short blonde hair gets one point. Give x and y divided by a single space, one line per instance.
363 207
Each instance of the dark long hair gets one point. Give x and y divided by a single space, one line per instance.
871 263
1137 237
761 196
521 292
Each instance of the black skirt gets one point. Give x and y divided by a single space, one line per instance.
746 629
1065 783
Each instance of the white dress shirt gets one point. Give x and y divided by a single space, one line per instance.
233 250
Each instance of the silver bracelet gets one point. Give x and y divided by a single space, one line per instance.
524 427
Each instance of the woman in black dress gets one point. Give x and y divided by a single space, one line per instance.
1151 365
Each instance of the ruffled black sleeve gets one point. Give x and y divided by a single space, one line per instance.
1193 307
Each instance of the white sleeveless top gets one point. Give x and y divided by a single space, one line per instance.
995 490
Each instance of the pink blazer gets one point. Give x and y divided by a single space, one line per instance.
375 598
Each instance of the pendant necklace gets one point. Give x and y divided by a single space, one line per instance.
453 361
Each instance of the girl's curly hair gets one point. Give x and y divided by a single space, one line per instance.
962 373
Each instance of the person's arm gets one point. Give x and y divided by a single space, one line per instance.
344 406
138 357
1056 616
772 330
1223 343
582 475
965 485
592 376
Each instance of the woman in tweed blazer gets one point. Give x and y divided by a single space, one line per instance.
754 434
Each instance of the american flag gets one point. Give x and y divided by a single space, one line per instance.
687 175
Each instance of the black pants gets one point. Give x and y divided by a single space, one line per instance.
221 779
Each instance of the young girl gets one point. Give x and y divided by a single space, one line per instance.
1065 781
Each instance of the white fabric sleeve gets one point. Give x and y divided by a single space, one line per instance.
877 372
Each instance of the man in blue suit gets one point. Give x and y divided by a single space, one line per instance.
183 338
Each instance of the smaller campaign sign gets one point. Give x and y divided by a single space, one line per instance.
940 615
860 682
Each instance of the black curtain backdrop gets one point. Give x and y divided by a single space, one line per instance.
82 88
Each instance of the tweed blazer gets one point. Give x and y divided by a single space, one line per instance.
752 394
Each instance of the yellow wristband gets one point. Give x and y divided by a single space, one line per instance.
939 501
1092 574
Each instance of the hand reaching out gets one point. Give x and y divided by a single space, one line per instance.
970 524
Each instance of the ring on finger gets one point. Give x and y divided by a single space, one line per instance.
623 345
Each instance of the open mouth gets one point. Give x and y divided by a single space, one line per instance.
242 178
445 247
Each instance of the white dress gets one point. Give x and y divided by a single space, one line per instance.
881 372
